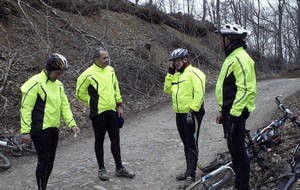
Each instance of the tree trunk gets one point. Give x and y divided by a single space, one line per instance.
204 10
279 32
298 31
218 13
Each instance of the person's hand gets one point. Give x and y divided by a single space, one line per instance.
171 69
219 119
25 138
189 117
120 111
76 131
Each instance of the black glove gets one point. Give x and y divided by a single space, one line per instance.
171 70
189 117
120 122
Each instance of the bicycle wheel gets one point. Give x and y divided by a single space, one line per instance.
275 177
221 159
29 147
214 182
4 162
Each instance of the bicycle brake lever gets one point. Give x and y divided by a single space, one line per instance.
289 112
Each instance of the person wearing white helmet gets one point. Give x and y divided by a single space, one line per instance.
236 93
43 103
186 84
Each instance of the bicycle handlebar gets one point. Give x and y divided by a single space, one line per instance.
279 104
288 113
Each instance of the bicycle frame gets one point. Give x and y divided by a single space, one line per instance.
6 142
223 167
254 152
214 180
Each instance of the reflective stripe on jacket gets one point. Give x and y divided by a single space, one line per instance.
187 89
236 85
98 88
43 103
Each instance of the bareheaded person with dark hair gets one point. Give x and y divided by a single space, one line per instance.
186 84
236 93
98 88
43 103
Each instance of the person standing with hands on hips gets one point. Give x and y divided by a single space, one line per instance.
98 88
236 93
43 103
186 84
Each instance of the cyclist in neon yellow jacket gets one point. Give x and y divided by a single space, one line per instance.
187 87
98 88
235 94
43 103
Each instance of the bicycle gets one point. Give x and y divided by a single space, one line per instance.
220 171
270 135
283 175
13 143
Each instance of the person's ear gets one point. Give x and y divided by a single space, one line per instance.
185 60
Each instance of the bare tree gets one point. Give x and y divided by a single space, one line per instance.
172 4
279 31
190 6
298 32
204 9
212 12
218 13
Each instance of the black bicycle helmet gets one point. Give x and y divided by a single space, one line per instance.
178 54
233 31
56 61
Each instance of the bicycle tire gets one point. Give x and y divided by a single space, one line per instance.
221 159
274 178
4 162
28 147
215 182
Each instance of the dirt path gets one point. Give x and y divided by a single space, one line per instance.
150 147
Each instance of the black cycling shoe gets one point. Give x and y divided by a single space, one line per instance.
102 174
181 177
188 181
123 172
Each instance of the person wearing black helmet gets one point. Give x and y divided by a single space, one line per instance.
186 84
236 93
43 103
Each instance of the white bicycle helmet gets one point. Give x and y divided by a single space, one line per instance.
56 61
178 53
233 30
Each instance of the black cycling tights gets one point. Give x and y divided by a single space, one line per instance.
107 121
45 142
236 146
189 135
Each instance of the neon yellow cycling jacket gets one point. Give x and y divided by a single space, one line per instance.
236 85
187 89
43 103
98 88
